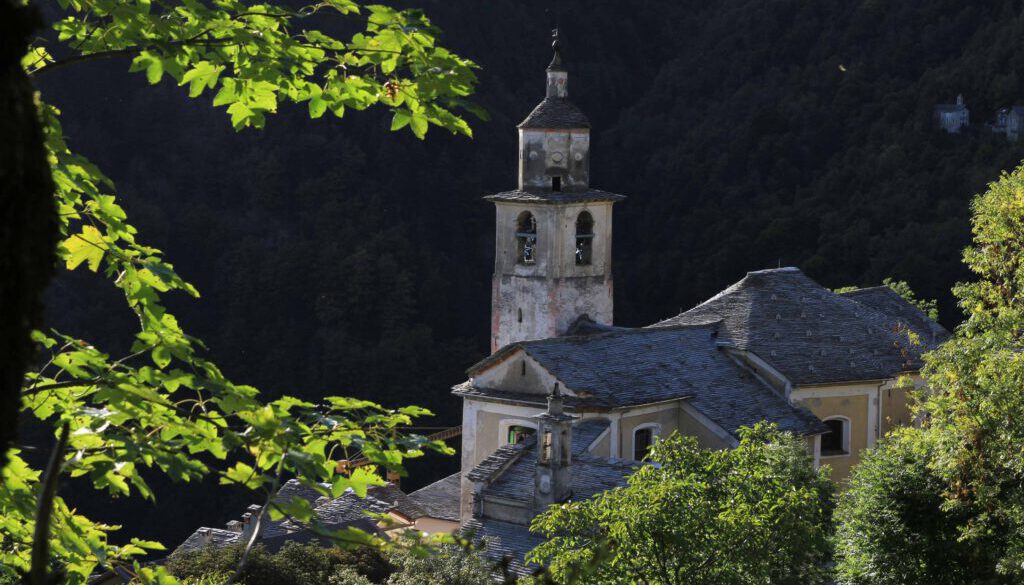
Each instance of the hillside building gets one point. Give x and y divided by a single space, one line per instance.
953 117
1010 121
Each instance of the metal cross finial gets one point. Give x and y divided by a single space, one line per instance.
554 43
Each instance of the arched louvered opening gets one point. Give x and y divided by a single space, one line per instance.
526 238
584 238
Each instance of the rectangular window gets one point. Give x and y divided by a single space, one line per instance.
834 441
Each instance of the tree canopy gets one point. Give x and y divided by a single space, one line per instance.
945 504
759 513
161 406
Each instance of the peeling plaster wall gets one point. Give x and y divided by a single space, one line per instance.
554 291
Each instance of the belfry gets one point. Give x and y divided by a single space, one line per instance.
553 242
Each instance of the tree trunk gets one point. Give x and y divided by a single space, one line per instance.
28 217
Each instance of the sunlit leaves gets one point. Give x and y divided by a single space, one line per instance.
250 57
162 407
758 513
86 246
203 75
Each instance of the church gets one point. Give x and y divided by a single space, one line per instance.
568 403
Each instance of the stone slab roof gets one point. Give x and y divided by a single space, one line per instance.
585 432
441 498
206 537
504 540
632 367
590 476
888 302
554 197
495 463
348 510
808 333
509 471
556 113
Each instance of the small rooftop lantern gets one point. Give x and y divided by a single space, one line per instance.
553 480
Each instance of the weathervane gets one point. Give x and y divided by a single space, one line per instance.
556 46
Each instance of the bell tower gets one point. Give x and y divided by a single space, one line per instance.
553 241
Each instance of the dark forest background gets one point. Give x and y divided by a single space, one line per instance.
337 257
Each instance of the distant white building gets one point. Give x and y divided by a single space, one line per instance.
953 117
1010 121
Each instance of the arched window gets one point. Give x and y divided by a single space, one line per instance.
526 238
584 238
643 438
837 440
515 431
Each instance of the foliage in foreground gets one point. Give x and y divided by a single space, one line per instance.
162 406
294 564
312 564
969 457
891 528
759 513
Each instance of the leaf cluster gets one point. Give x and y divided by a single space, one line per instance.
163 406
758 513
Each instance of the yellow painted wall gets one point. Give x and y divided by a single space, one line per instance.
706 438
853 407
667 418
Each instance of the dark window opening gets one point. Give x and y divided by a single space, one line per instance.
522 368
832 442
526 239
516 434
642 440
556 183
584 238
520 315
565 448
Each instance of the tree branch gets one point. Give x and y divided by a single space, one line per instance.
38 573
258 525
125 52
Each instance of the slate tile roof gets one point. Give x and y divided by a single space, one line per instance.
335 513
808 333
504 540
888 302
204 537
546 196
441 498
556 113
585 432
642 366
590 476
509 471
495 463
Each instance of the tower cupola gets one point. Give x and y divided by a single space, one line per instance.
554 140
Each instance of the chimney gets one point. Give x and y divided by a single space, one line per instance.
393 477
207 536
553 477
249 520
234 526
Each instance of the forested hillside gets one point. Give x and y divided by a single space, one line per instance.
335 256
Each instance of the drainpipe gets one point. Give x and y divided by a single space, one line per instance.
878 422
